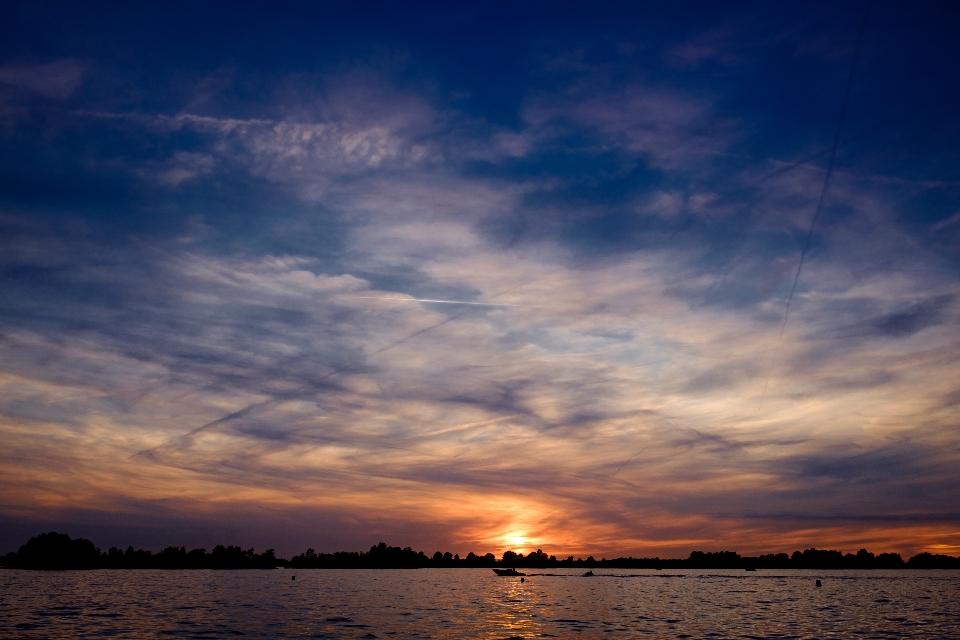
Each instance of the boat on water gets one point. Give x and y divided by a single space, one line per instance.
508 572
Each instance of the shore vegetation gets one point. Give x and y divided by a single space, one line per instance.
57 551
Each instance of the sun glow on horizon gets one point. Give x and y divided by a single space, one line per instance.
408 322
517 540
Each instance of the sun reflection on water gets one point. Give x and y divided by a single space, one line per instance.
513 604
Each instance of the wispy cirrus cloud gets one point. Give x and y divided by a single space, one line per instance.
57 80
21 85
272 377
371 309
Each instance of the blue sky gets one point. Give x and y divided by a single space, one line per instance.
479 278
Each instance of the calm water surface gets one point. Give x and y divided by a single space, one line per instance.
474 603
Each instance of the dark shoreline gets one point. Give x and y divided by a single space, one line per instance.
56 551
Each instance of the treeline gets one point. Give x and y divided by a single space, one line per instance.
383 557
807 559
58 551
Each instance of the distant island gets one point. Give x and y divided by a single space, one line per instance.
57 551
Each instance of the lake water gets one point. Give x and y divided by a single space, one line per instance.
475 603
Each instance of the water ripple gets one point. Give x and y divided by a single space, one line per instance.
456 603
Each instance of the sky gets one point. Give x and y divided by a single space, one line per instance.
596 278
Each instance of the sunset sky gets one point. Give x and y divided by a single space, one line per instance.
478 278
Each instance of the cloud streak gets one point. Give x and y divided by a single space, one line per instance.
356 307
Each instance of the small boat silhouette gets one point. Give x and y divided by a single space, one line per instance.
588 574
508 572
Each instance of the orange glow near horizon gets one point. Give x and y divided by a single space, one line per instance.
516 540
354 291
589 466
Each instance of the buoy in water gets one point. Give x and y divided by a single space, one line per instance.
521 579
295 577
818 584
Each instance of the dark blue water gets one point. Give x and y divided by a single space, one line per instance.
474 603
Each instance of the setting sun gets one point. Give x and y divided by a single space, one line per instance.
628 318
515 540
591 293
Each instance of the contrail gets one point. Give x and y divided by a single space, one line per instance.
230 417
826 178
626 461
833 155
441 323
227 418
854 138
471 425
337 371
478 304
